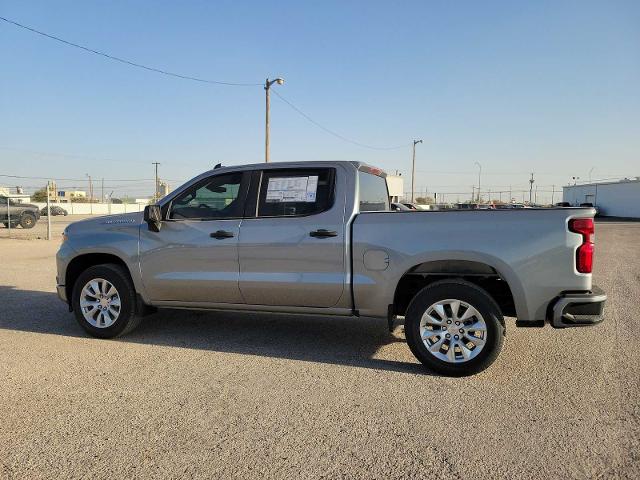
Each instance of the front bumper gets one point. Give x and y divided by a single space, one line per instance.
576 309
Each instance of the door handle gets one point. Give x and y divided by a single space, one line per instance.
322 233
220 234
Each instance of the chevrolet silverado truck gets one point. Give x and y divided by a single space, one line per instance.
24 214
320 238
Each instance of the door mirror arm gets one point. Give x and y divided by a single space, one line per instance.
153 217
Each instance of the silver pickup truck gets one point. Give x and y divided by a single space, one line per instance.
320 238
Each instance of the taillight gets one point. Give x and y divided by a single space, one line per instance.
584 254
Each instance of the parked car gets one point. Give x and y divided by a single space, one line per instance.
55 211
511 206
320 238
411 206
24 214
398 207
591 205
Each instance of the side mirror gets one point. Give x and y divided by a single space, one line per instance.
153 217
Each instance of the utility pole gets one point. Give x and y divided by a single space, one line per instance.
102 193
553 192
90 188
479 174
48 210
531 181
413 169
267 89
155 195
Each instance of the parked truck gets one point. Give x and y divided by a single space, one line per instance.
24 214
320 238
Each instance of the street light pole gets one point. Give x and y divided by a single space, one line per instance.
155 195
479 175
413 170
267 88
531 181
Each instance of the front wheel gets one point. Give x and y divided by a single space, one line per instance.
454 328
104 301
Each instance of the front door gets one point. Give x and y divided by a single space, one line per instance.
194 256
292 247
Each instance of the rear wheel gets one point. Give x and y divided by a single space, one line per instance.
454 327
28 220
104 301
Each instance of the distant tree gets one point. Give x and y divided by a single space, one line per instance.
424 200
40 195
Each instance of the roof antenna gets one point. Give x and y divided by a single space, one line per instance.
218 165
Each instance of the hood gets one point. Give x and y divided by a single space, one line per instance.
102 223
30 206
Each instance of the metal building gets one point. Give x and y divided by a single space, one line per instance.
613 199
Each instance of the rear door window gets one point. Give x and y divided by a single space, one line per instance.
295 192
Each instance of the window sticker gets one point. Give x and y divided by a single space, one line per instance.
292 189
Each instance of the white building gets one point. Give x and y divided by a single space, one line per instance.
395 184
614 199
18 197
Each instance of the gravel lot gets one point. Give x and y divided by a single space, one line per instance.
212 395
39 231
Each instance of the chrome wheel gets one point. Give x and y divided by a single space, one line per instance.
100 303
453 331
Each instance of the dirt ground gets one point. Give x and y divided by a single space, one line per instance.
219 395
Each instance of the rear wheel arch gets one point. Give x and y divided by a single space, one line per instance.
481 274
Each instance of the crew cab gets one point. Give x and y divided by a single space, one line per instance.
320 238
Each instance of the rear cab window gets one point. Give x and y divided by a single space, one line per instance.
295 192
373 194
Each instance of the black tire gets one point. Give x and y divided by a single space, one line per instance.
468 293
28 220
127 319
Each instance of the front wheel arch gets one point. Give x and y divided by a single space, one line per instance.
82 262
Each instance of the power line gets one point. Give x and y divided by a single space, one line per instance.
128 62
196 79
331 132
77 179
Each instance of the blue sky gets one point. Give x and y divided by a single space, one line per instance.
549 87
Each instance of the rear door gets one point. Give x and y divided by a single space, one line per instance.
292 240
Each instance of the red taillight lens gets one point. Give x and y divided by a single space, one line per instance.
584 258
583 226
584 254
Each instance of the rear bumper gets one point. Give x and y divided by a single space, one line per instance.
577 309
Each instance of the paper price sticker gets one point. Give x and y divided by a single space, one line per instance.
292 189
